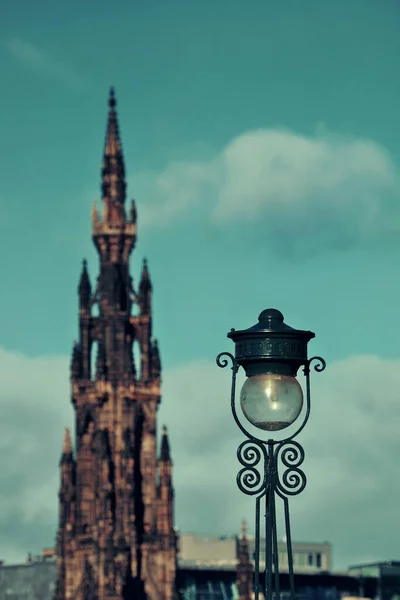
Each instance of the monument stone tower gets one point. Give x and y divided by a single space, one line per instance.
116 539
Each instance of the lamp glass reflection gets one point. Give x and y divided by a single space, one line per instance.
271 402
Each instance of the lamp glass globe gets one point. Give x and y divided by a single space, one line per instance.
270 401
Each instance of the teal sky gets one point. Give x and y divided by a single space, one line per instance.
318 79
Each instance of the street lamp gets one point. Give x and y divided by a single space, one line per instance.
271 353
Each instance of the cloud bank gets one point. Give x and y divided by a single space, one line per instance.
35 408
299 193
351 444
352 450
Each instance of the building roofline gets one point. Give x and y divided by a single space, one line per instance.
391 563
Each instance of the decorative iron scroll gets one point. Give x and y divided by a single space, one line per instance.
250 479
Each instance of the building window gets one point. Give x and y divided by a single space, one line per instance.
300 559
318 557
310 560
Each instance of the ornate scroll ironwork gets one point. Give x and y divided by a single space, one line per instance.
271 469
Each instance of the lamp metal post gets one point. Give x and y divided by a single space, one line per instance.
271 354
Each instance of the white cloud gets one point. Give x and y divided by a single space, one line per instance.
322 191
35 58
35 408
351 444
172 193
263 168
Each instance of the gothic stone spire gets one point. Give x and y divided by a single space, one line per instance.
244 575
85 289
67 445
113 170
165 453
114 235
116 531
145 289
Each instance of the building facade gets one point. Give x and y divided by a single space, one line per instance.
386 574
202 551
211 568
116 539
